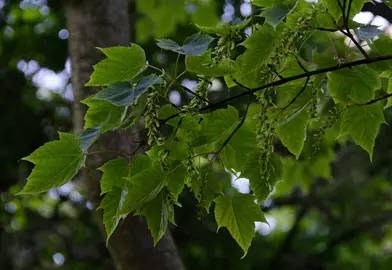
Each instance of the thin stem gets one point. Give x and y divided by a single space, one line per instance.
236 128
186 89
106 151
156 68
175 69
181 74
296 96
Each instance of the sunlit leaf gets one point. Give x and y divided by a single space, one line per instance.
56 163
204 65
238 215
121 64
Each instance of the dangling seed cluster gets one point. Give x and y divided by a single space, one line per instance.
314 101
202 91
265 140
151 117
202 178
226 44
328 123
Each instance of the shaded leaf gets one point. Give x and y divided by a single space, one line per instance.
368 32
194 45
158 212
104 113
110 204
88 137
357 84
115 172
276 13
362 124
123 93
142 191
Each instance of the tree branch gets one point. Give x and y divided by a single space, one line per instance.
217 105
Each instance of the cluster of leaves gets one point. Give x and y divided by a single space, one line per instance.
207 138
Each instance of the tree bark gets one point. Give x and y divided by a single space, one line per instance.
104 23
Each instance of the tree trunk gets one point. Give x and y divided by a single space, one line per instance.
104 23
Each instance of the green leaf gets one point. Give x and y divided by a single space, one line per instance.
224 30
88 137
122 93
216 127
238 215
194 45
260 46
357 84
102 112
382 46
293 132
368 32
388 3
158 212
115 172
389 91
145 183
56 163
178 150
176 180
335 10
110 204
203 65
276 13
121 64
265 3
251 171
362 124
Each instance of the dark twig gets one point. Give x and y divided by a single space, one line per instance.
348 34
348 13
186 89
324 29
296 96
240 85
236 128
376 100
